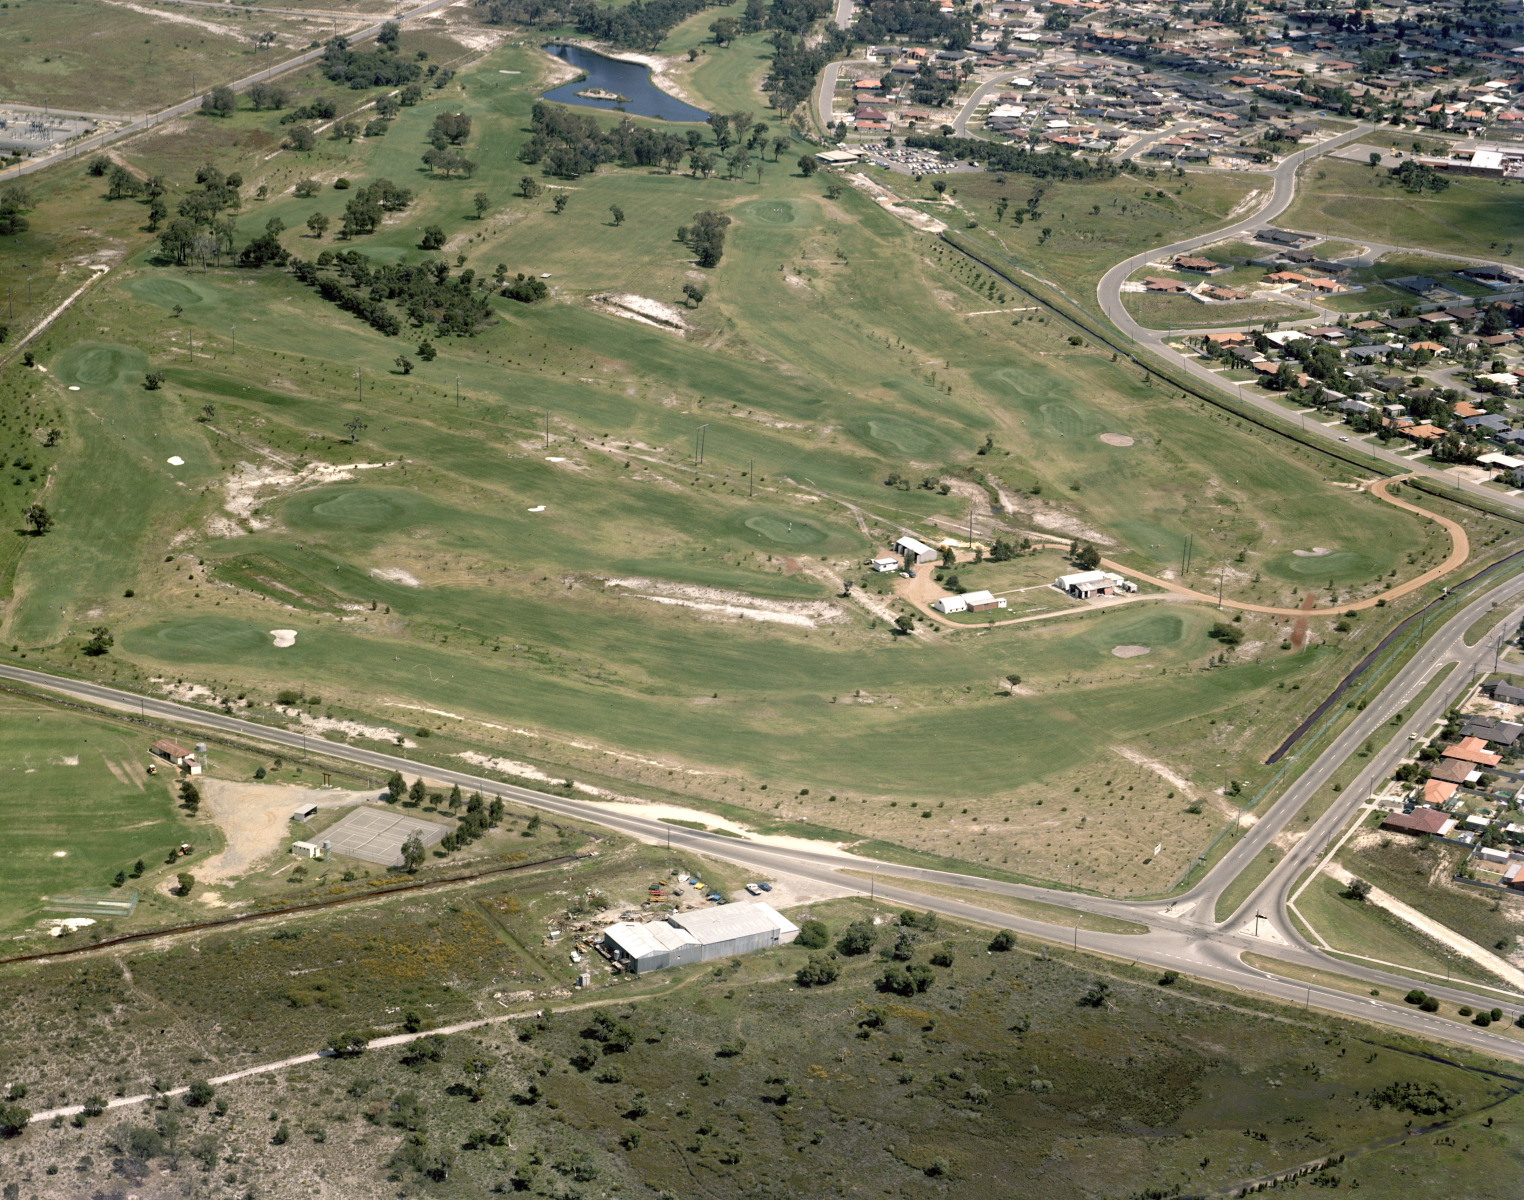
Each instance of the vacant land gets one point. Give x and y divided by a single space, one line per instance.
1479 217
728 1073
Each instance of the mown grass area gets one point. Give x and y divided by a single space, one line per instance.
832 351
1419 875
1363 930
78 807
1471 216
618 1085
116 60
1182 312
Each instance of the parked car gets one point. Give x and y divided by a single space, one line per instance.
754 889
765 886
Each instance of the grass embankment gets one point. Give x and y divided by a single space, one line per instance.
1032 910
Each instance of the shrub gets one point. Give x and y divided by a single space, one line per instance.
858 938
1003 941
813 935
1415 997
818 972
942 958
526 289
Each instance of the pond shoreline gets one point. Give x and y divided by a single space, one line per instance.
660 66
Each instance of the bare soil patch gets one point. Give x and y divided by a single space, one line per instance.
256 819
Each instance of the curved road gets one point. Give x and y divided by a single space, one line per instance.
1154 341
1183 935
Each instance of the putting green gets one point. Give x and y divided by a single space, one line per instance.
1155 629
96 365
1059 416
197 639
352 509
770 212
785 531
166 293
905 436
1340 565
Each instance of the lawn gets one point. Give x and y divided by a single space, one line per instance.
1182 312
477 571
1471 216
79 808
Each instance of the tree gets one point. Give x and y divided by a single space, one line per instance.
817 972
98 166
426 351
706 236
1088 558
808 165
417 792
190 795
395 787
13 1120
1357 890
318 224
349 1044
694 292
857 938
813 934
724 30
906 623
780 144
404 364
529 187
199 1094
1375 158
187 881
618 214
720 124
560 202
433 238
122 183
100 641
347 130
1003 941
268 95
219 102
306 188
301 137
481 202
412 853
454 128
354 425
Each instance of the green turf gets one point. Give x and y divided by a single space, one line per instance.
78 808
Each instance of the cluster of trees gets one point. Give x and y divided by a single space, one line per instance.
1415 177
426 292
1014 159
202 230
796 64
568 144
706 236
887 20
190 797
369 205
525 289
321 109
641 24
14 201
381 67
1004 550
264 95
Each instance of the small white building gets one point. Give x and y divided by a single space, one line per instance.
305 813
1085 585
915 550
980 601
884 565
306 850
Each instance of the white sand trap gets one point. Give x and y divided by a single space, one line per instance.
60 854
175 460
548 458
283 638
1130 651
394 575
538 508
74 387
1315 552
1116 439
58 926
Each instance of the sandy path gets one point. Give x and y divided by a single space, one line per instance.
256 819
1432 928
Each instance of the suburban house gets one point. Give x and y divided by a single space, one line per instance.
916 551
1472 750
980 601
1153 283
1287 237
1454 770
1438 793
1420 821
1086 585
1202 266
1504 693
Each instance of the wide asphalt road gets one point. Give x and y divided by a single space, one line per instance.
1208 953
1154 341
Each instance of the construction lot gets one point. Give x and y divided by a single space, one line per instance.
374 835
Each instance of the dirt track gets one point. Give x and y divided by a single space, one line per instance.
1460 551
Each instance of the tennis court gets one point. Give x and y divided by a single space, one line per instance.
376 835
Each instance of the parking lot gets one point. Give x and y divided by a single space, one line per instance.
375 835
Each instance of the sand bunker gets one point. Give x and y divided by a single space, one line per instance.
1116 439
642 309
1130 651
283 638
394 575
175 460
538 508
1315 552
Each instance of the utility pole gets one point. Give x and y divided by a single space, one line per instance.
360 375
1219 587
235 339
698 443
457 391
751 480
547 429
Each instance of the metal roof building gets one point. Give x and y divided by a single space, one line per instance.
697 936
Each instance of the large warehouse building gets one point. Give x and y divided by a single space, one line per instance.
691 937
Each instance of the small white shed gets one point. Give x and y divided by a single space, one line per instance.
305 850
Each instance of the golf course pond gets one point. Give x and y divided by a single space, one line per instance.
630 82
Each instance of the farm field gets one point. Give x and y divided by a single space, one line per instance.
515 547
964 1089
